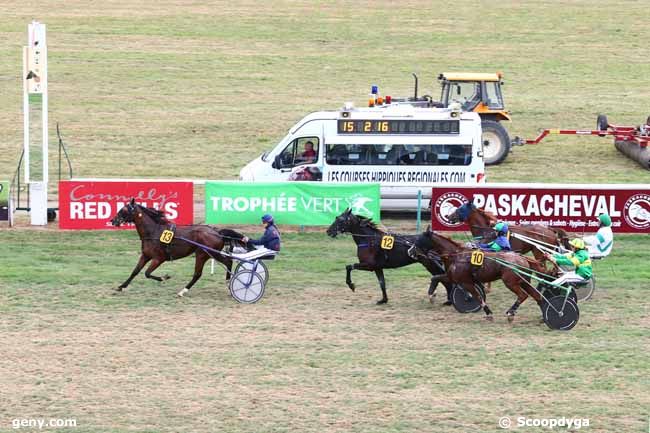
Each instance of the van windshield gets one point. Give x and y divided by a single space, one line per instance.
399 154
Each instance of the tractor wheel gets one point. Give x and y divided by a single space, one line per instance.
601 123
496 142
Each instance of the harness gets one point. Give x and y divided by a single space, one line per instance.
166 238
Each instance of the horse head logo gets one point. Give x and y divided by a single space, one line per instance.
358 205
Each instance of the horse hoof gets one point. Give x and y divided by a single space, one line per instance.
119 289
382 301
489 318
182 293
511 318
166 277
447 303
432 298
351 286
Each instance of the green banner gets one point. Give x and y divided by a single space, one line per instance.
4 200
298 203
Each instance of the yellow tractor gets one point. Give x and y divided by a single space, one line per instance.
480 93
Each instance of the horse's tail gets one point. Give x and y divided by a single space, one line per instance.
563 237
535 265
232 237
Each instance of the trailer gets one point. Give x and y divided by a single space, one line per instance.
631 141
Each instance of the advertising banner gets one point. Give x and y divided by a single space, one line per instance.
92 205
4 200
299 203
573 208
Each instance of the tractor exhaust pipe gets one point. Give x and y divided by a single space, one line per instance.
415 91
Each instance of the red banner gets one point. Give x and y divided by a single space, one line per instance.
92 205
574 208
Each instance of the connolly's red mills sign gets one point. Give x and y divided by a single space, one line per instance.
573 208
91 205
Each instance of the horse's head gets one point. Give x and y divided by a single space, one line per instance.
126 214
422 245
343 223
462 213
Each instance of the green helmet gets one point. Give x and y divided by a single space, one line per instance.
501 227
605 219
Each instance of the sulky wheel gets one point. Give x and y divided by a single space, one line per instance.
463 300
560 315
247 287
260 269
585 290
496 142
549 292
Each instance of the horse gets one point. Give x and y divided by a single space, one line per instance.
481 222
150 225
378 250
458 262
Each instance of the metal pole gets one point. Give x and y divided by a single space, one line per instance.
419 217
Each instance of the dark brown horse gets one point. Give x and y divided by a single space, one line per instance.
373 256
457 261
151 223
481 222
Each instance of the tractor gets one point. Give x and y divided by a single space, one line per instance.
480 93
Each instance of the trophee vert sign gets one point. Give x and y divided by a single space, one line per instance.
91 205
573 208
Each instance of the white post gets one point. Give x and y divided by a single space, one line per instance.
35 86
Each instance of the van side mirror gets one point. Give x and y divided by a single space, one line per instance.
277 162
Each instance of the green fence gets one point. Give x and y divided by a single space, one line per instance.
298 203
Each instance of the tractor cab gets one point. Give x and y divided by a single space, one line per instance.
480 93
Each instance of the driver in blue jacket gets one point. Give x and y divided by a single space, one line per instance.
501 243
271 237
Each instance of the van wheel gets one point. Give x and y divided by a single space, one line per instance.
496 143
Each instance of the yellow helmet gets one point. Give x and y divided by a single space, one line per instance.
577 243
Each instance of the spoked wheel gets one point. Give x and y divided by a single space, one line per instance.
247 287
560 313
585 290
464 302
549 292
260 269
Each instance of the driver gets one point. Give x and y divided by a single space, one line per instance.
600 245
501 243
271 237
578 259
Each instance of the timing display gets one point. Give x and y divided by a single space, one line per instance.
410 126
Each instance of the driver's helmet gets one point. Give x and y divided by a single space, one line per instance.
577 243
501 228
605 220
267 218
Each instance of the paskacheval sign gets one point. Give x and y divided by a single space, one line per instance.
573 208
92 204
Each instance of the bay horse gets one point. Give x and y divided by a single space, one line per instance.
457 261
372 257
150 224
481 225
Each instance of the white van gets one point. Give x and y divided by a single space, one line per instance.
403 147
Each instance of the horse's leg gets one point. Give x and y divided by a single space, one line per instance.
138 267
348 276
227 261
199 262
382 284
152 267
449 287
469 287
522 295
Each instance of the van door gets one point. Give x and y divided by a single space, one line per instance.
300 160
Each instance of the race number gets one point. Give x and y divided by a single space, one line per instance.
166 236
477 258
387 242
